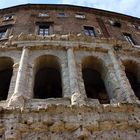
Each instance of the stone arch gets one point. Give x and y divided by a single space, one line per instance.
47 83
132 71
6 72
92 70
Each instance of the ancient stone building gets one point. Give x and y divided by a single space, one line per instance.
69 73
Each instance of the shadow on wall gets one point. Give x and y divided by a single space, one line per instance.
94 84
6 71
47 78
132 70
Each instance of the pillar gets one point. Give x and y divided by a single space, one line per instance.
76 97
19 95
123 83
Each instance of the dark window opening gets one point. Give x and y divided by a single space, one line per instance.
92 68
6 72
62 14
89 31
117 24
48 84
129 38
48 79
132 73
135 84
8 17
2 33
44 30
5 78
94 86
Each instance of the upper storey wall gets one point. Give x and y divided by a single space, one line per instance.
77 20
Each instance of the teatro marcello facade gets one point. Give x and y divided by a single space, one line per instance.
69 73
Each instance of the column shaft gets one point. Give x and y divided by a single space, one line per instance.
127 92
77 98
18 96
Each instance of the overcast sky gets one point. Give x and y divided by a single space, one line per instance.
129 7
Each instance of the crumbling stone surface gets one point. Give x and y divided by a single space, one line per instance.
73 116
66 122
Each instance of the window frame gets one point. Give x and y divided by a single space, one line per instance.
89 31
2 34
4 31
47 28
62 15
128 38
43 30
80 16
115 23
43 15
8 17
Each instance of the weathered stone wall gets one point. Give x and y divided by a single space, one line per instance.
65 122
74 116
26 17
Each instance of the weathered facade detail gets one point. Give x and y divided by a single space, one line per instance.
68 72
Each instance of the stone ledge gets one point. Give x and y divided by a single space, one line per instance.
69 37
57 108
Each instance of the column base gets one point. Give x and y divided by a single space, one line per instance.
16 101
77 99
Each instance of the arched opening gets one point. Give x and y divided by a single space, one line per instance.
94 84
47 78
6 71
133 75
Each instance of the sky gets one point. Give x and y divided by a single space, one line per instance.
128 7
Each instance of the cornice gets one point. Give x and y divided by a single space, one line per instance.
63 7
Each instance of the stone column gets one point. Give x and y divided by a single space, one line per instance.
123 83
13 80
76 97
29 81
19 95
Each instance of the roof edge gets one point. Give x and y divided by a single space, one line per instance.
70 6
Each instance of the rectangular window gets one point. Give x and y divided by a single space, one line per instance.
44 30
128 38
43 15
2 34
89 31
62 14
8 17
80 16
115 23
